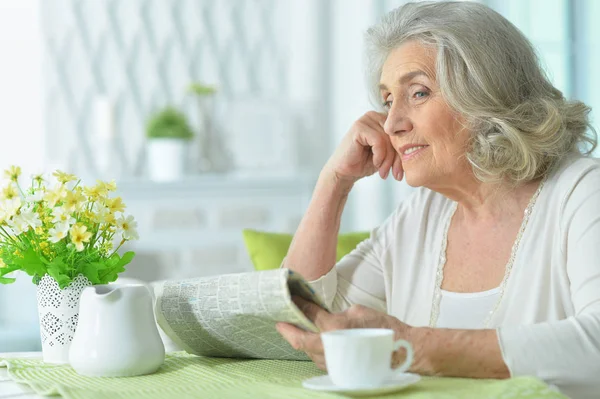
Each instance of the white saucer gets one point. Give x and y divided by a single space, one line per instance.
392 384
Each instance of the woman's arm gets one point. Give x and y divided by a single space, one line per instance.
364 150
441 352
457 353
313 249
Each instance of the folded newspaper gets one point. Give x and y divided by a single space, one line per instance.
234 315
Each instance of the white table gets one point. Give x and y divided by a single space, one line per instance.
9 389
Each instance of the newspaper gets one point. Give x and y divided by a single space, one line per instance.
234 315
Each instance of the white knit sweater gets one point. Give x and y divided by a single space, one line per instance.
548 319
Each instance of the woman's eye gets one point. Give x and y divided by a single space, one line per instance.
420 94
387 104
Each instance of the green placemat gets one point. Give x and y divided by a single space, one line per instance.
188 376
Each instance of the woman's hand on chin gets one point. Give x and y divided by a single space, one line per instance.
355 317
365 150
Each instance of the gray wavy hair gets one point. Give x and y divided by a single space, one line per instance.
488 72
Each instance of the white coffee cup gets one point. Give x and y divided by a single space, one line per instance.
362 357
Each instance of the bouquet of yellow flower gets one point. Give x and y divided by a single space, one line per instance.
64 230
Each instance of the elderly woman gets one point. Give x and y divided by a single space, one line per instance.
492 268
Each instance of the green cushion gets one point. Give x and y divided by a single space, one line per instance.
267 250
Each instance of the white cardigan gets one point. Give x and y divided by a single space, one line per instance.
548 320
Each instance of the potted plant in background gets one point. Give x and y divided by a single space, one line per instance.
63 236
168 133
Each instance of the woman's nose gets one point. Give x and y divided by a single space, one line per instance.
397 122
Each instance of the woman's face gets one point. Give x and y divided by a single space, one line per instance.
429 136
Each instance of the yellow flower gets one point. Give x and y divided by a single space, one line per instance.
106 247
10 207
93 192
98 213
2 264
106 187
115 204
54 196
39 231
13 173
79 235
43 245
10 192
64 177
38 178
73 201
89 215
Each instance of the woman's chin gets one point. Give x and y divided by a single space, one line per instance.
413 179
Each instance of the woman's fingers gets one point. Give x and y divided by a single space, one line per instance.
385 168
304 341
319 360
397 169
383 153
324 320
376 142
314 312
365 149
377 117
299 339
292 334
381 146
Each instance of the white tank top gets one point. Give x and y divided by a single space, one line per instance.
466 310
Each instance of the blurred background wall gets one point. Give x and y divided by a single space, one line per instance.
80 79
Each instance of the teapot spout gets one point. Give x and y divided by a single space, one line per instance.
108 293
114 292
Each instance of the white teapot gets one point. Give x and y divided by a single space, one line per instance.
116 334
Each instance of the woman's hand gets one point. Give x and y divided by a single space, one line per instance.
364 150
355 317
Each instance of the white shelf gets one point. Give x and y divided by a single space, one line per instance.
221 184
173 240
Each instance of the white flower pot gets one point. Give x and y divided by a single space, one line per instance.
59 312
167 159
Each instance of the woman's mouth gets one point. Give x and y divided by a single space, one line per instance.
410 151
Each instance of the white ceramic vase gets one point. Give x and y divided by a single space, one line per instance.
58 311
167 159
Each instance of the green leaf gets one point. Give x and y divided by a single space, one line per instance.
200 89
115 265
6 270
127 258
31 263
91 270
62 280
59 271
